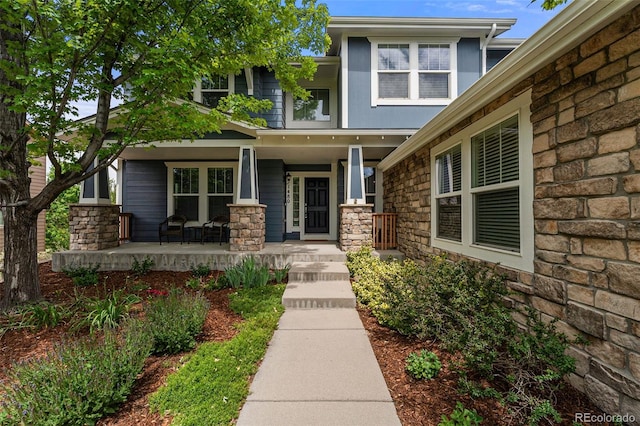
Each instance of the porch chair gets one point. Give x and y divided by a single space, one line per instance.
219 224
173 225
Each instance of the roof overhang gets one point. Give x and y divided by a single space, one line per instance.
340 26
561 34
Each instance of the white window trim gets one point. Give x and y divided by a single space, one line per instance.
522 260
332 123
414 72
203 193
197 90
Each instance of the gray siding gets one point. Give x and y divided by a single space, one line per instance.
495 56
144 193
469 63
363 116
272 193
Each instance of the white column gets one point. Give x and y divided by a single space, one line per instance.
247 189
95 190
355 176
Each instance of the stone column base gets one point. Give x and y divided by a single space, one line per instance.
247 227
94 226
356 226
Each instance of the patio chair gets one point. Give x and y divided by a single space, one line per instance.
218 225
173 225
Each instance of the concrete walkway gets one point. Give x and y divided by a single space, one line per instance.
319 368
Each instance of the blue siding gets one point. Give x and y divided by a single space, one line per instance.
469 63
363 116
272 193
144 193
270 89
495 56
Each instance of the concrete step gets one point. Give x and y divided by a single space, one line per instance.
318 295
318 271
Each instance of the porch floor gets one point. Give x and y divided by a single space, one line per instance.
182 257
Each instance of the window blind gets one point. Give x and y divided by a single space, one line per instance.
497 219
495 154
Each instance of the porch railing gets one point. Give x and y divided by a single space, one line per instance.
125 226
384 231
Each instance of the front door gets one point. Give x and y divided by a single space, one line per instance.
316 208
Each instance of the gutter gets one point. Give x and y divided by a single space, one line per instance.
578 20
494 27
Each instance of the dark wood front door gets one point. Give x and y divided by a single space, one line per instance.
316 215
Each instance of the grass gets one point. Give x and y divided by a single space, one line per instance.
212 386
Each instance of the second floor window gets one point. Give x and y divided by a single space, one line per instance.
314 108
413 73
209 90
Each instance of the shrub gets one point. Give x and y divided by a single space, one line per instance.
193 283
200 271
423 365
176 320
279 274
107 312
44 314
247 274
82 275
77 382
142 268
461 417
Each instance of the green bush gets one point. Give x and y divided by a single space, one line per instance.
82 275
279 274
461 304
175 320
423 365
140 269
107 312
45 314
78 382
461 417
200 271
247 274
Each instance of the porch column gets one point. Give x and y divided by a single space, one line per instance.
94 227
247 191
356 226
246 227
355 176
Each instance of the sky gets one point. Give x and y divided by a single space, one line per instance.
530 16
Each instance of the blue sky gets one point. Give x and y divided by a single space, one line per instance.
530 16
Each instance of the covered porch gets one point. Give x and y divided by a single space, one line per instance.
182 257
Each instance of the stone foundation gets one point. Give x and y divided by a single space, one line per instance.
356 226
247 227
93 227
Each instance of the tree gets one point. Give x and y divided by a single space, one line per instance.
145 53
550 4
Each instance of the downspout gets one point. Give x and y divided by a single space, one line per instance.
494 27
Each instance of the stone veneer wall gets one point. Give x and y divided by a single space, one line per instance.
585 115
93 227
356 226
247 227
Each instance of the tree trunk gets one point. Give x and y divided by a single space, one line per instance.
21 258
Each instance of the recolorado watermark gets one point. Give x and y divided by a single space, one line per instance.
603 418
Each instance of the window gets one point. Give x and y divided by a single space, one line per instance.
209 90
370 184
296 201
449 194
495 175
419 73
315 108
185 192
219 191
200 191
482 188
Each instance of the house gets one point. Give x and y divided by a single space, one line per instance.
535 167
381 80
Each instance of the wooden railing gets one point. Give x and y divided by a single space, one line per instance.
125 226
384 231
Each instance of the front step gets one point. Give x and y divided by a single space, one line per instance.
318 271
318 295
